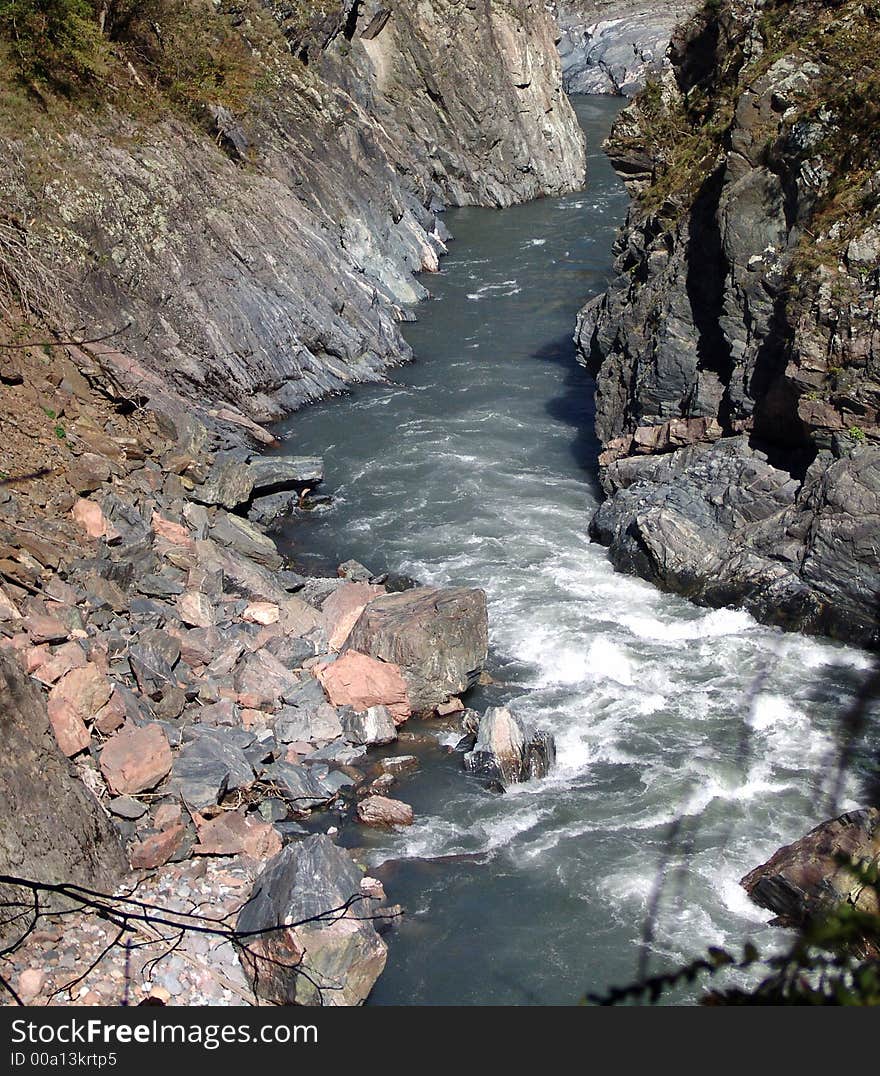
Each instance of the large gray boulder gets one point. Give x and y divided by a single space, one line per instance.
327 951
806 879
508 750
53 829
438 637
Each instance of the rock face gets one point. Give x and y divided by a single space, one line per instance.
333 960
736 351
53 829
508 751
805 879
614 46
439 638
359 134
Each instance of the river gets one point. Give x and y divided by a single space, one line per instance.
476 465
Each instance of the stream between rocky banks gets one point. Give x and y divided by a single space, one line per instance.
476 466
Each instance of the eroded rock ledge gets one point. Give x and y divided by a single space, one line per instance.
736 351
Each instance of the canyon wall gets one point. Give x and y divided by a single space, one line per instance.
736 352
614 46
260 257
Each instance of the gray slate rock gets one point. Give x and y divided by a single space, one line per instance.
508 750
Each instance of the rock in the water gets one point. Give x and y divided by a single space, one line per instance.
804 880
439 638
384 811
508 750
372 726
332 960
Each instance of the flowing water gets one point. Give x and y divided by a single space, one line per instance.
688 739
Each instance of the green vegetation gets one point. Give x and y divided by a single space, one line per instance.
857 434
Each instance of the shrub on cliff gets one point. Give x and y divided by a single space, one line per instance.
53 42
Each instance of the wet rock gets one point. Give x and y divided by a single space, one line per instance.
311 880
397 764
373 726
508 750
384 811
438 637
806 880
360 681
136 759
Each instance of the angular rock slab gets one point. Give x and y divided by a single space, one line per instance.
804 880
508 750
361 682
439 638
333 960
136 759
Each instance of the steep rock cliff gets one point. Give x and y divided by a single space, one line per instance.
736 353
259 256
614 46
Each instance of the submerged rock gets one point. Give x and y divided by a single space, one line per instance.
306 938
508 750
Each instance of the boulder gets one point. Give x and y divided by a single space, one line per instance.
360 681
508 750
310 724
343 608
805 879
373 726
62 838
439 638
208 767
136 759
384 811
305 936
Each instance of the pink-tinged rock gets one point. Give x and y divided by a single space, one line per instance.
253 719
195 609
343 608
384 811
89 516
73 701
232 833
166 814
30 983
111 717
172 532
70 730
66 657
8 609
360 681
156 849
136 759
262 613
46 629
35 657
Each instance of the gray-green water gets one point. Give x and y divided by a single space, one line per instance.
476 466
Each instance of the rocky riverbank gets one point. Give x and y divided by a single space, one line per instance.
203 717
209 700
735 352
